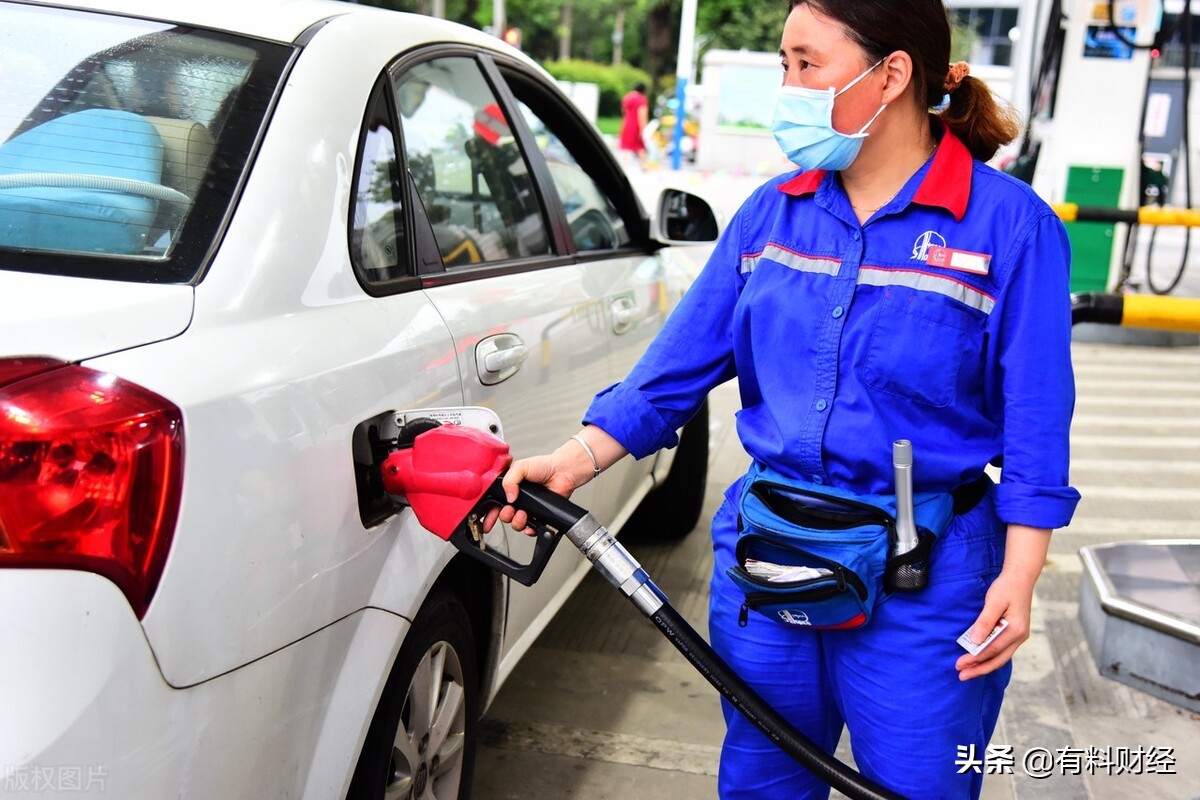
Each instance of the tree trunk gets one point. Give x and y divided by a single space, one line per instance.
658 40
471 11
564 31
619 37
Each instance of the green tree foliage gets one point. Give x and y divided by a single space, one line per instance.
538 21
591 30
738 25
614 82
592 26
962 41
458 10
650 38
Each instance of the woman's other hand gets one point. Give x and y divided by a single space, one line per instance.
1010 597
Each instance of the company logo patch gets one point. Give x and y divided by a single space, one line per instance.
926 240
794 617
962 260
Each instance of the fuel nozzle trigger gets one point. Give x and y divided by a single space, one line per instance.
450 475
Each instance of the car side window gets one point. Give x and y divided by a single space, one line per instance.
469 172
377 240
594 221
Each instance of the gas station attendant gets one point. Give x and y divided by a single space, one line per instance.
894 287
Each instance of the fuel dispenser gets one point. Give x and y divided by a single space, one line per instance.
1108 141
1085 124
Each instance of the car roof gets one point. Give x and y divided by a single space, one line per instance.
278 20
285 21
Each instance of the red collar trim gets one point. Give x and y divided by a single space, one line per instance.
947 184
804 183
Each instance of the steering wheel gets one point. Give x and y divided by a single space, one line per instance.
82 180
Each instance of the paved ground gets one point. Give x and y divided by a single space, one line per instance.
603 707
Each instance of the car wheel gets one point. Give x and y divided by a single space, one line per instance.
421 743
672 509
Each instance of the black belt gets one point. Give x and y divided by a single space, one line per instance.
967 496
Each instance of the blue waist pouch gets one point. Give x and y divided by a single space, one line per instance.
816 556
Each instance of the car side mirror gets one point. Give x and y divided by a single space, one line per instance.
681 217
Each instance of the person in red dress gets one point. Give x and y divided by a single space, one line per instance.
636 111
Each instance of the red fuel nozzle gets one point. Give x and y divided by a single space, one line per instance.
450 472
445 474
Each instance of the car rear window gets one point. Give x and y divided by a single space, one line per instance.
123 141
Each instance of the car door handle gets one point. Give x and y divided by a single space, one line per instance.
505 359
497 358
625 313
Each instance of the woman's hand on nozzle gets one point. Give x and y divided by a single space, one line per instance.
554 471
572 465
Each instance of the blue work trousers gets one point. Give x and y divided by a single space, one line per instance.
891 684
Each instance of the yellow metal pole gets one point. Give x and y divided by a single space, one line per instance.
1067 212
1156 215
1161 313
1146 215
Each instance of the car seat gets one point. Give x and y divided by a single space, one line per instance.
187 150
64 210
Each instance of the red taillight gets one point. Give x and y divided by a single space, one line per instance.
90 475
15 369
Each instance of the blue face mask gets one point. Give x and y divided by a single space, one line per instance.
803 127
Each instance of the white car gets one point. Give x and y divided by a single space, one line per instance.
238 240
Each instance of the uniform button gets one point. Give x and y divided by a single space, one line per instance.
822 405
837 312
818 479
856 235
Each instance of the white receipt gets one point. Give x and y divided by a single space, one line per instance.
971 647
782 573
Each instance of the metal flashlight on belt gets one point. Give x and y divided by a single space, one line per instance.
908 575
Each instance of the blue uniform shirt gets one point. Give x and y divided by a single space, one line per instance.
945 319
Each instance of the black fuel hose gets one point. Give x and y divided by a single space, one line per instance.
436 495
610 558
747 701
1185 22
1186 148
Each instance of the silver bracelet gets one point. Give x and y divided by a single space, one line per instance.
590 454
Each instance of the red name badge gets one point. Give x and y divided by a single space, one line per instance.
962 260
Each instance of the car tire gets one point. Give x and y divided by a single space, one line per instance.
672 509
421 743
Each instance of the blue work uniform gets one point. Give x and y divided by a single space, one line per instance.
945 320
